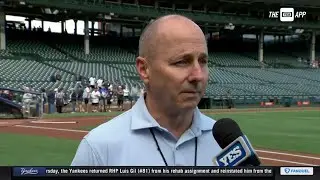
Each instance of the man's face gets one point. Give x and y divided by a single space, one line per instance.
179 72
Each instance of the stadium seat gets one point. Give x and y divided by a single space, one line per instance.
35 47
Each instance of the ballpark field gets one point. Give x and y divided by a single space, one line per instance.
282 136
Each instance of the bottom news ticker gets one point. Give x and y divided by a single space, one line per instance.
262 172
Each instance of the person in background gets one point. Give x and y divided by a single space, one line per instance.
80 91
73 100
86 97
51 101
78 78
59 100
67 97
92 81
120 98
58 76
126 91
109 98
104 94
100 82
44 99
110 86
53 78
115 92
95 98
34 96
26 99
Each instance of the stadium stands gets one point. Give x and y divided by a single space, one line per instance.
4 53
99 54
16 73
96 70
254 81
274 58
239 72
27 70
34 47
232 59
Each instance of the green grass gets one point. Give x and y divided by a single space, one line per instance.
290 131
16 149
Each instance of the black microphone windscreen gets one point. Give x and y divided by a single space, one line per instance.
225 131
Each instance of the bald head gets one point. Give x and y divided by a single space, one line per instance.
160 29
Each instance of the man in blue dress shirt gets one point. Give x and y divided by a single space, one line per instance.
164 127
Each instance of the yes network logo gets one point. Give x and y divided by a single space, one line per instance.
232 155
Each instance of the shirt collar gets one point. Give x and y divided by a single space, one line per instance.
142 119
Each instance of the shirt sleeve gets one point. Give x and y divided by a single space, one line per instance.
85 155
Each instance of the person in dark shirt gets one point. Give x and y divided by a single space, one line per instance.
120 97
58 76
45 99
53 78
60 100
73 100
78 78
51 101
79 91
104 95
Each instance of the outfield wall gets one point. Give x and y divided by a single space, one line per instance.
219 102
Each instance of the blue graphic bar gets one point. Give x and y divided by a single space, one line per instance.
142 171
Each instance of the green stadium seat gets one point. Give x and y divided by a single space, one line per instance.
99 54
231 59
35 47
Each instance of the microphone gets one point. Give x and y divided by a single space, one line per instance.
236 148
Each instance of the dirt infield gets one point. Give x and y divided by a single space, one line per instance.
69 128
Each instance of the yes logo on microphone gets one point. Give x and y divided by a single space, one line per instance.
231 155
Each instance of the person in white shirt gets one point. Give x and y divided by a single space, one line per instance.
92 82
126 93
86 97
26 100
111 93
99 83
110 87
95 98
